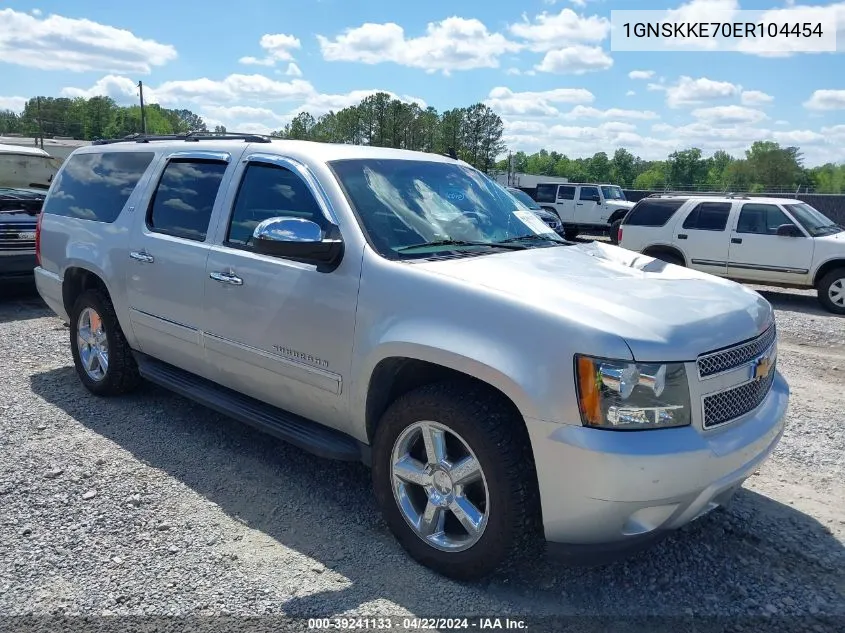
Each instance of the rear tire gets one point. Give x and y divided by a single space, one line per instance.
570 233
102 357
504 500
614 232
831 291
669 258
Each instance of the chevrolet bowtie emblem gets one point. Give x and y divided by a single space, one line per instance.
762 367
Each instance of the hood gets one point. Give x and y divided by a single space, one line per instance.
621 204
663 312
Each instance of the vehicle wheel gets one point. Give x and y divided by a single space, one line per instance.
454 476
569 233
614 232
101 354
669 258
831 290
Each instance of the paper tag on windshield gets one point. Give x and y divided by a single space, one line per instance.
533 222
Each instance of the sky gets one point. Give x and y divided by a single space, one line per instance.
545 66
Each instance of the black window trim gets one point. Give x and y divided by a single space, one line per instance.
261 159
646 200
698 204
550 185
187 157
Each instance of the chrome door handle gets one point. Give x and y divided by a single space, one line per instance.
141 256
227 278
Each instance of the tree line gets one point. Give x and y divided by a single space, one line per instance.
474 133
765 166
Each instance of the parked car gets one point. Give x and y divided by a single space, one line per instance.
769 241
593 208
26 167
550 219
399 308
18 211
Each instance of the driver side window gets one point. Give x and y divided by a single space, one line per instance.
269 191
590 194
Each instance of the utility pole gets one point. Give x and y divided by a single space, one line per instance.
40 126
143 114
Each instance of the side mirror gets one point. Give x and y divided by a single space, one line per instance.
298 239
788 230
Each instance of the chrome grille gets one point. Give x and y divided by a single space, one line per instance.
730 404
10 239
726 359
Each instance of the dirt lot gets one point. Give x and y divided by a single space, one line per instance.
152 505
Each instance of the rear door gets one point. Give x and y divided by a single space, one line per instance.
704 238
587 205
758 253
647 224
167 255
566 203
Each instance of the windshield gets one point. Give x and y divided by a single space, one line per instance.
613 193
524 198
409 208
814 221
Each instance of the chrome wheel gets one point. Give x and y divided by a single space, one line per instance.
439 486
836 293
93 344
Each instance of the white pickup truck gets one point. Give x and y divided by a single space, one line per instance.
585 207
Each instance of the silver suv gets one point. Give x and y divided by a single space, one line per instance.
402 309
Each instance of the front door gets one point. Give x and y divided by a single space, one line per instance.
278 330
703 237
758 253
587 205
168 250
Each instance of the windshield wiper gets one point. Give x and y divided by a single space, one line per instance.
459 243
534 237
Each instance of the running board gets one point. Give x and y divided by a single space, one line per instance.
302 433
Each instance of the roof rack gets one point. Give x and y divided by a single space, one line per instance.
190 137
687 194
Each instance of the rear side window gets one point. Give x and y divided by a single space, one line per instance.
566 193
652 212
183 201
545 193
708 216
97 186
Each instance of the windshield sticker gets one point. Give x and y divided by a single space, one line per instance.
533 222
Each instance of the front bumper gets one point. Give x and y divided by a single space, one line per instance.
18 266
600 487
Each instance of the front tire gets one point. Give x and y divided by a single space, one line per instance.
614 232
570 233
454 476
102 357
831 291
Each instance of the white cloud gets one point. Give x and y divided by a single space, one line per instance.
689 91
826 100
37 12
452 44
293 70
240 113
122 89
729 115
319 104
586 112
77 45
641 74
513 71
278 47
781 122
630 93
831 16
799 137
575 60
550 31
15 104
755 98
508 103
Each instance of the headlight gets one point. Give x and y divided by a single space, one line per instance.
626 396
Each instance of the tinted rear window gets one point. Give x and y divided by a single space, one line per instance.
654 212
566 193
97 186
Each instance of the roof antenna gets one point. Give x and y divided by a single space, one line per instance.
452 153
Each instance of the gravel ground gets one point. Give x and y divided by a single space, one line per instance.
151 505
